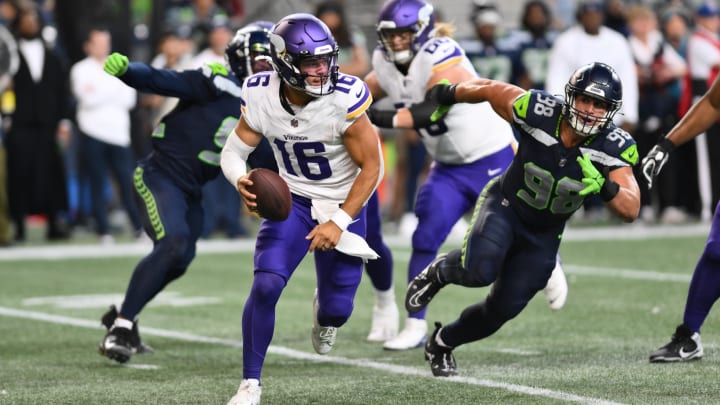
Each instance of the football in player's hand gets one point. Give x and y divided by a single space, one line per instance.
273 195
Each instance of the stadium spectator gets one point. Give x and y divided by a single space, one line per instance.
704 290
464 162
353 56
198 18
494 55
104 148
519 224
658 67
40 129
535 41
332 166
703 57
186 154
589 41
677 185
616 16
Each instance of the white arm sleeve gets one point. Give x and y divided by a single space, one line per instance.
233 157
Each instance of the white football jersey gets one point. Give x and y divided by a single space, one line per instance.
308 145
469 131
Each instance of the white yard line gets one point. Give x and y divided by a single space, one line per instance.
51 252
296 354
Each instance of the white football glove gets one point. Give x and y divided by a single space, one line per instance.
655 160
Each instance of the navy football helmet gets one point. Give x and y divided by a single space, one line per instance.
395 16
249 50
598 81
302 39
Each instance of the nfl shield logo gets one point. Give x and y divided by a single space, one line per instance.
294 123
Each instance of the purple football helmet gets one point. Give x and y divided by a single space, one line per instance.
303 40
599 81
395 16
249 50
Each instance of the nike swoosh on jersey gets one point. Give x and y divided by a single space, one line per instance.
494 172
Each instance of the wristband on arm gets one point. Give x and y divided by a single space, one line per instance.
381 118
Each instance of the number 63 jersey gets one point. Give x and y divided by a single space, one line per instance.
544 179
308 141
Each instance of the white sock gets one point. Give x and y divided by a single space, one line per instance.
123 323
385 298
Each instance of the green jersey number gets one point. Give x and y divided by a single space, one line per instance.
544 192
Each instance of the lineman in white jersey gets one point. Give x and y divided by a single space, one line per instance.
329 154
470 145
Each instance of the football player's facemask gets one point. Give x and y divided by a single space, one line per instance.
593 96
411 21
249 50
304 53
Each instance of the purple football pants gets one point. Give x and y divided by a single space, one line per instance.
279 249
705 284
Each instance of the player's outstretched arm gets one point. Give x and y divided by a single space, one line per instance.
500 95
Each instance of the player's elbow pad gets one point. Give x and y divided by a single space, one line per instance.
233 158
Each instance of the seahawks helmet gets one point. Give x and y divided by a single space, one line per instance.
598 81
302 38
415 16
249 50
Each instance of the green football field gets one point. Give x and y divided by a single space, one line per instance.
627 292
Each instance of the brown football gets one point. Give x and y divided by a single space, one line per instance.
273 195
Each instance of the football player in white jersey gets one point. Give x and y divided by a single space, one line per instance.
329 154
470 145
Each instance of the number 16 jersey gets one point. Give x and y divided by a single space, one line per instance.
307 141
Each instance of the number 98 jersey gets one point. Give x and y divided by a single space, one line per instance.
544 179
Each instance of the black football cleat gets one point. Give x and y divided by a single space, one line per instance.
116 345
424 286
442 361
137 345
684 345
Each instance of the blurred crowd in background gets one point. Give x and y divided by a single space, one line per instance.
71 171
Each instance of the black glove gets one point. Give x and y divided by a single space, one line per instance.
381 118
442 94
655 160
422 112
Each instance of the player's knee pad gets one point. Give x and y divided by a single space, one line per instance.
267 287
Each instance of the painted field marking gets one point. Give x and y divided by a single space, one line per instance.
297 354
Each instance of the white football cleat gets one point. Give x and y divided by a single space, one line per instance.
248 393
556 290
384 324
323 337
411 337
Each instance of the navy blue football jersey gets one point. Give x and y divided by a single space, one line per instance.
188 140
544 179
